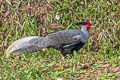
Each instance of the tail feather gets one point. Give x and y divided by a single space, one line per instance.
27 44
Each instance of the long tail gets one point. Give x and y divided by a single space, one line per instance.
27 44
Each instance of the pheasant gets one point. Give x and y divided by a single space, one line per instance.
65 40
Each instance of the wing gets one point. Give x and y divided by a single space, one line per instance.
66 37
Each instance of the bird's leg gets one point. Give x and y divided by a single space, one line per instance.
63 55
63 58
71 55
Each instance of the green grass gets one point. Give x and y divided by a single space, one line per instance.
27 18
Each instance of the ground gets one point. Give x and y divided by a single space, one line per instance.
99 59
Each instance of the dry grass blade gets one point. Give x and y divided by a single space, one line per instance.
9 2
6 14
56 26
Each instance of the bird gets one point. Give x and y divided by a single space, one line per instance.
65 41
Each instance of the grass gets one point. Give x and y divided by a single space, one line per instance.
99 59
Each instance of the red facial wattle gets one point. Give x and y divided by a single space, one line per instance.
88 26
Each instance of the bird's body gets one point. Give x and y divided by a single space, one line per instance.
66 41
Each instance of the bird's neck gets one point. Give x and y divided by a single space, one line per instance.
84 29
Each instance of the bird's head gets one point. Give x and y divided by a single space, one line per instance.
86 24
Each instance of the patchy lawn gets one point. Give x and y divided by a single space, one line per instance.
99 59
